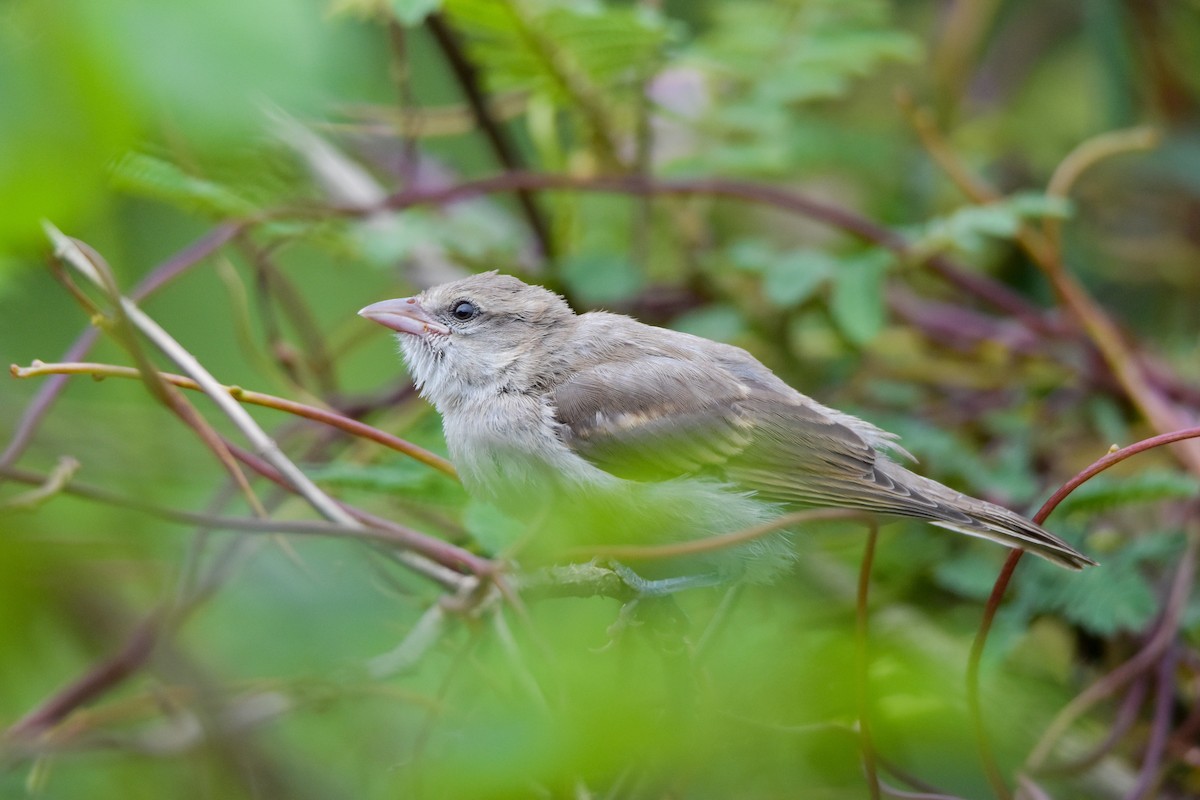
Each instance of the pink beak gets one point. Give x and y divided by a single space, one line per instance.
405 315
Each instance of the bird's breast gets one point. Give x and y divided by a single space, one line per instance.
510 445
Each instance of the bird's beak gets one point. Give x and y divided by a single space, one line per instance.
405 315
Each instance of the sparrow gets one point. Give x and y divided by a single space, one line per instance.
644 429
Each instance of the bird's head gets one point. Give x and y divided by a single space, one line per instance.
477 336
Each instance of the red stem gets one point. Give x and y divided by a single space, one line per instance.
991 766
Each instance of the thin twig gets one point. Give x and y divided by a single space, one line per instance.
1126 716
383 535
413 647
862 661
332 418
1085 156
94 682
275 285
433 558
83 257
400 63
1068 715
974 708
1164 634
158 277
69 251
710 544
1113 458
986 289
55 483
498 139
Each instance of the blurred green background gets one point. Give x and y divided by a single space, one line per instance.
138 127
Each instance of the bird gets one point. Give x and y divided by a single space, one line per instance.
598 420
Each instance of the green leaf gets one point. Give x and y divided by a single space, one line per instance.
563 50
414 12
751 255
1107 599
969 227
970 575
490 527
722 323
1117 596
602 278
402 476
148 176
767 60
1032 205
1103 493
794 277
857 304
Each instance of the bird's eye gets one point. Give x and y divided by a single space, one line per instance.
464 310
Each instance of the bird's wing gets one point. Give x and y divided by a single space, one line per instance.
658 417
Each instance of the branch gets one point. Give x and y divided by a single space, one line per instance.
502 147
93 683
1093 694
54 483
331 418
158 277
1164 634
67 250
862 663
1127 365
433 558
381 534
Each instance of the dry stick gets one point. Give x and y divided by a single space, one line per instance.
273 283
292 476
332 418
1082 158
861 677
433 558
158 277
400 69
1080 704
124 331
45 487
505 151
67 250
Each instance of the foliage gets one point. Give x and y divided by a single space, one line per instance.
932 215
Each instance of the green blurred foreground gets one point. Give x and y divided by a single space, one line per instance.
971 223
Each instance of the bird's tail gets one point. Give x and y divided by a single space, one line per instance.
964 514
